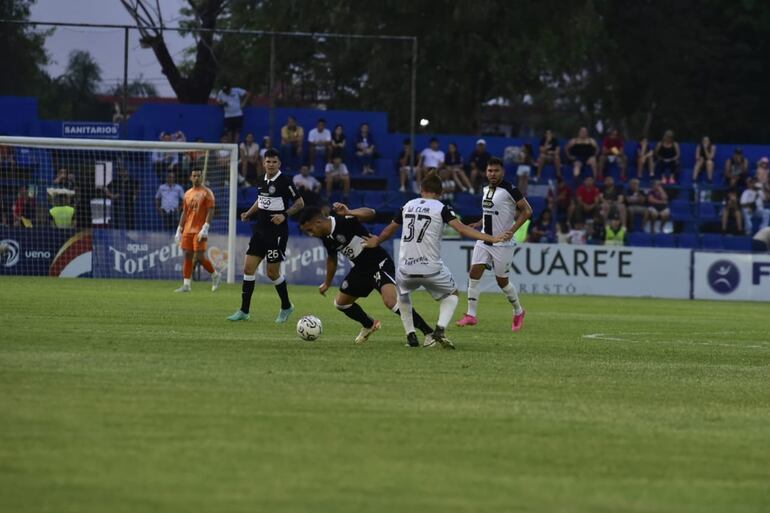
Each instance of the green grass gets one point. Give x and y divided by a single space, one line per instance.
121 396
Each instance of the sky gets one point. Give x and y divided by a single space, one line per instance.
106 45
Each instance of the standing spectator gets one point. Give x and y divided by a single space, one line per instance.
613 150
657 199
337 171
405 168
454 161
308 187
168 199
232 100
581 152
562 203
704 157
197 157
338 142
292 136
448 186
222 160
615 232
7 159
430 158
65 179
478 162
165 161
598 232
526 164
668 156
587 199
635 201
542 230
62 213
763 172
645 156
549 154
736 169
753 204
123 191
613 201
319 142
732 217
365 148
250 161
25 207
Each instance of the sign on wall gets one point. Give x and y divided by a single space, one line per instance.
90 130
732 276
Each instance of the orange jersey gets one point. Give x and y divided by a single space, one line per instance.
197 202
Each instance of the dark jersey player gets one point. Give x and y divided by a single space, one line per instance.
373 269
271 232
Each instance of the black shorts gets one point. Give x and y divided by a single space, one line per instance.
271 247
363 279
234 124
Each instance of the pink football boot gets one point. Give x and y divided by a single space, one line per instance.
518 321
467 320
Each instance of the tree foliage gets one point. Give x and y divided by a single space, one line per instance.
23 54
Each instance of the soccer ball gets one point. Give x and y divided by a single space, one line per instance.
309 328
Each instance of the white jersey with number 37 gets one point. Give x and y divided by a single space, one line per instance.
499 209
422 223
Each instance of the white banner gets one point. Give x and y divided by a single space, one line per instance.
582 270
734 276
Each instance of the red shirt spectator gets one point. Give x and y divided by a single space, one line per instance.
588 193
613 140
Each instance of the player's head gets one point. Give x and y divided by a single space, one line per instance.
495 171
272 162
196 177
431 185
313 222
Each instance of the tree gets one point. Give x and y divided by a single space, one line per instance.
73 94
138 87
23 57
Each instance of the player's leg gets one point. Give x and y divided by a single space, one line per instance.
187 270
357 284
405 286
249 280
501 263
389 295
444 290
200 253
273 269
479 260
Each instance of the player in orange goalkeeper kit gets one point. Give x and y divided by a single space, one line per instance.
193 230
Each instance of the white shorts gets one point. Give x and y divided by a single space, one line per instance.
523 170
499 257
439 285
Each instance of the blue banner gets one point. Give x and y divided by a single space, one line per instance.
42 251
90 130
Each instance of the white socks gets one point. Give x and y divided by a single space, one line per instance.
473 296
513 297
249 277
405 309
279 280
187 282
446 310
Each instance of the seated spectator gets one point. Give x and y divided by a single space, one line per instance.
613 201
668 157
478 162
25 207
308 186
454 162
250 162
543 229
365 149
7 159
645 156
65 179
577 232
736 169
338 143
635 202
337 171
588 198
597 234
319 142
221 159
165 161
406 171
562 202
549 154
292 136
525 165
197 157
704 158
615 232
657 210
168 201
267 143
430 158
732 217
763 172
581 152
123 191
62 213
448 186
613 150
753 203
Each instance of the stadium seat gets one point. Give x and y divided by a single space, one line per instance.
375 199
681 210
713 241
467 204
538 205
642 239
707 212
246 197
738 243
664 240
689 240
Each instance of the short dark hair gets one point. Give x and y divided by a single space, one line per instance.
272 153
432 183
308 214
432 140
495 161
322 120
407 141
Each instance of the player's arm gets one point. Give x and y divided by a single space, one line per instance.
245 216
298 205
331 269
525 213
363 214
470 233
182 217
387 233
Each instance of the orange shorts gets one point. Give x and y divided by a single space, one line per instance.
190 242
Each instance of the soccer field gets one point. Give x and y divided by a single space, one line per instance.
122 396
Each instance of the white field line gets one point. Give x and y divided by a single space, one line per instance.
641 338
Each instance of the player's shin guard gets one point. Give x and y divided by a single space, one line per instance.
417 320
473 296
247 290
407 315
187 270
513 297
447 310
283 291
355 312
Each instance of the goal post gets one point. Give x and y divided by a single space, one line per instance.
115 189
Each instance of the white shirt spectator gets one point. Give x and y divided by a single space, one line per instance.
432 158
308 182
250 151
751 195
232 101
319 138
170 196
168 157
332 170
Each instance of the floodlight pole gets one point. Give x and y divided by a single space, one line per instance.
413 106
124 107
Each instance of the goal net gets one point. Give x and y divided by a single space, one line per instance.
109 208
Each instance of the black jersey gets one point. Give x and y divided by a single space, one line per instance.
347 237
274 197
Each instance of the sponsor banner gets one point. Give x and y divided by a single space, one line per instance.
731 276
44 251
582 270
90 130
